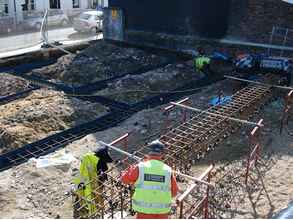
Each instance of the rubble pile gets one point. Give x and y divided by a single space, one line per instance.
11 84
134 88
41 114
99 61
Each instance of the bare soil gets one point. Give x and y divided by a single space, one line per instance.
41 114
29 192
98 62
135 88
11 84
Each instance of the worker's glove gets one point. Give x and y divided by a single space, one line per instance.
81 186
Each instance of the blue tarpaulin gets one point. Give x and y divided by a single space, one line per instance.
222 101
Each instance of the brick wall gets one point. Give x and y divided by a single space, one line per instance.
252 20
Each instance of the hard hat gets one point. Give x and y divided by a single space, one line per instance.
156 146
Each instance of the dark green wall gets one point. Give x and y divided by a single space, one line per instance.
207 18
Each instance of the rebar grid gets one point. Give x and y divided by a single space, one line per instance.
184 143
192 139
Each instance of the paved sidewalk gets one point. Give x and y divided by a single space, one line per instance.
37 46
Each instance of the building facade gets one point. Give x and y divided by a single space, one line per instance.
246 20
19 8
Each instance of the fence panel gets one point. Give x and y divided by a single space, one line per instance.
21 22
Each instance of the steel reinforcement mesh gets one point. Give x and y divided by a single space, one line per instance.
185 144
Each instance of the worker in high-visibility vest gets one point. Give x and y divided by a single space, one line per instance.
154 183
91 174
202 63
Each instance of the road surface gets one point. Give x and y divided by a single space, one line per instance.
31 39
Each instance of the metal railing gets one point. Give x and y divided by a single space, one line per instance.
254 155
280 36
20 29
286 113
199 208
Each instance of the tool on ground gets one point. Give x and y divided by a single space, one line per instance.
140 159
258 83
218 115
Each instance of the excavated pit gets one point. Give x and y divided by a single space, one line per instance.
40 192
42 113
135 88
10 85
100 61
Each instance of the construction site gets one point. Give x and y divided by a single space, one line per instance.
212 86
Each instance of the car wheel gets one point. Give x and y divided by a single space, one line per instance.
64 22
38 26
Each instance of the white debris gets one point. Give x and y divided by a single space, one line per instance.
57 159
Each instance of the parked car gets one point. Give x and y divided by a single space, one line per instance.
90 21
55 18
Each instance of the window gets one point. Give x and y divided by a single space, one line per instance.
6 8
55 4
3 8
29 5
75 3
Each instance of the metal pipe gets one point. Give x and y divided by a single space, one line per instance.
258 83
140 159
218 115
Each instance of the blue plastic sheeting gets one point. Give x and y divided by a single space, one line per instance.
220 56
216 101
286 213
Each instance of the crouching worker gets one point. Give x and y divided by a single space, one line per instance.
202 64
88 185
154 183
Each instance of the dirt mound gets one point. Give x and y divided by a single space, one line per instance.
99 61
42 113
164 79
11 84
